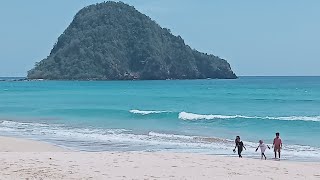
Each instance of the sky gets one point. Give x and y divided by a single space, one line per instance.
258 38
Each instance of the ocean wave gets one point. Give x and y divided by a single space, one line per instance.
125 138
21 124
94 135
190 138
193 116
170 136
296 118
135 111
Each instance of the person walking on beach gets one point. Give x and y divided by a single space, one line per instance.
263 148
239 145
277 145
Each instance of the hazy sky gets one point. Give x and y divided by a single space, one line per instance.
256 37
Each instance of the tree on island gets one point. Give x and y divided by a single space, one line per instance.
113 41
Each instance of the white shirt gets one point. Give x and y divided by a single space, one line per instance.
262 147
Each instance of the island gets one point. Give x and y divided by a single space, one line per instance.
114 41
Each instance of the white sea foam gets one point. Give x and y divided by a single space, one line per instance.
103 135
13 123
193 116
135 111
170 136
157 141
296 118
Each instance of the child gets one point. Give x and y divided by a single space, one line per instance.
239 145
277 145
263 148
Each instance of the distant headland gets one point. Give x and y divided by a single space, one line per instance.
114 41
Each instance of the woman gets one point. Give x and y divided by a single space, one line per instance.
239 145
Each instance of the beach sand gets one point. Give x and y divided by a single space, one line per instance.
26 159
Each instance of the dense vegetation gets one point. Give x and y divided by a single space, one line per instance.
113 41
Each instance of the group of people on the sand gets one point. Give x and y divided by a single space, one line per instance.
277 146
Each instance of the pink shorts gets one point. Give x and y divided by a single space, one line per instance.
277 149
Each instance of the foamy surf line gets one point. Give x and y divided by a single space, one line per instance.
125 139
135 111
193 116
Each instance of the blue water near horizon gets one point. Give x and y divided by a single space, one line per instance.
201 116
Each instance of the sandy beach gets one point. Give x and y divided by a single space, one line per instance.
27 159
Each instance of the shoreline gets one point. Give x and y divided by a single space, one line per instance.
42 145
23 159
15 144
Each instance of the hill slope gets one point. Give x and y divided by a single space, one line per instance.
113 41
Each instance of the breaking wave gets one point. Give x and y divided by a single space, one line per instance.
193 116
95 139
135 111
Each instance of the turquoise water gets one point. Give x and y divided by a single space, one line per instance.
200 116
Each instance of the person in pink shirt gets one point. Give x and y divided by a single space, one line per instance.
277 145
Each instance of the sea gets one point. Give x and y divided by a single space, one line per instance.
188 116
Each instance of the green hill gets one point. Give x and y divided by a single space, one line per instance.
113 41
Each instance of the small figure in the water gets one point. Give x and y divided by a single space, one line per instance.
263 148
239 145
277 145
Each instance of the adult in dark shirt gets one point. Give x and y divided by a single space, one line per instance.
239 145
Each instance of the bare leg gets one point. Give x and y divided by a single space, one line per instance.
275 154
279 153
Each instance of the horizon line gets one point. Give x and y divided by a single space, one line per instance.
237 76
